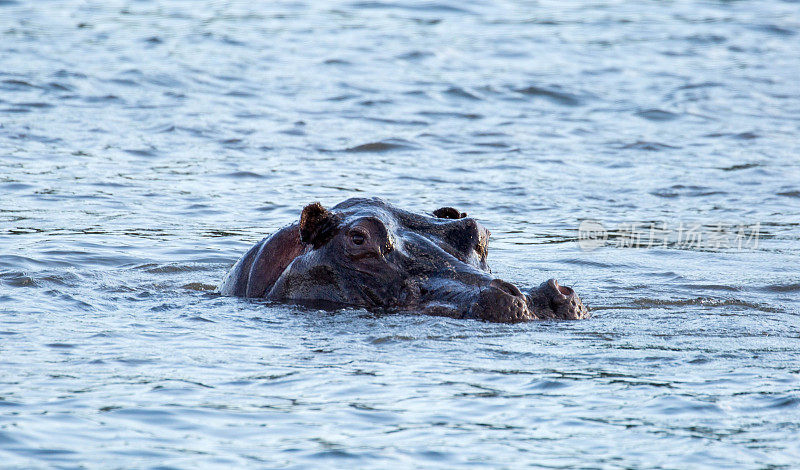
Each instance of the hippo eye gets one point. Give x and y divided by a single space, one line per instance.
357 238
449 213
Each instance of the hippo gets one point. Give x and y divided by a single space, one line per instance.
367 253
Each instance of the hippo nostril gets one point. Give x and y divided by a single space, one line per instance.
506 287
563 290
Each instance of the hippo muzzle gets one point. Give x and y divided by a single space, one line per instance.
367 253
504 302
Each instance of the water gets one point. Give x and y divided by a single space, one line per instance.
145 145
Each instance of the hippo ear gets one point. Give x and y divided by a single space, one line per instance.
449 213
317 225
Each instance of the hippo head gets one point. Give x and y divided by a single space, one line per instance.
367 253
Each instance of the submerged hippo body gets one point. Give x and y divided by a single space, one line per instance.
368 253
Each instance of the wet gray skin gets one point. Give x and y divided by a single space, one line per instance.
368 253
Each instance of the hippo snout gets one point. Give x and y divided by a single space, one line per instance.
552 300
502 302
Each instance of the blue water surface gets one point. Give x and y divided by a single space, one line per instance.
145 145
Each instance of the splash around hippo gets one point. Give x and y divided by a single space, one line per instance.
367 253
